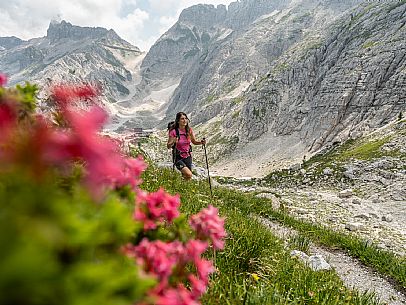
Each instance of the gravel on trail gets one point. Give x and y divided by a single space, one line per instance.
352 272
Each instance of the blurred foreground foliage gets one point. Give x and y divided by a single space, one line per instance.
58 244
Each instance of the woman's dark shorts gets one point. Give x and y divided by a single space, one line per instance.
186 162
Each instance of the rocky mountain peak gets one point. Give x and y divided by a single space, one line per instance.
65 30
9 42
203 15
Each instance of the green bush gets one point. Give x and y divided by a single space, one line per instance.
61 248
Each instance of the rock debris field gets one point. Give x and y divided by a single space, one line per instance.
379 222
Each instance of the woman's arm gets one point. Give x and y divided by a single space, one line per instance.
171 141
194 141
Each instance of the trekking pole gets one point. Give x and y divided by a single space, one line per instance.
174 150
207 164
173 160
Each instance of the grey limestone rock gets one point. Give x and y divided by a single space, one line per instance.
317 263
354 226
322 71
356 201
327 171
345 193
72 55
387 218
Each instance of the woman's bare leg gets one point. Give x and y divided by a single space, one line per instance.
186 173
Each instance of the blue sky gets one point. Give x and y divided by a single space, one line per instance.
140 22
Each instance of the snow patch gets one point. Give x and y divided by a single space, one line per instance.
154 103
130 59
225 34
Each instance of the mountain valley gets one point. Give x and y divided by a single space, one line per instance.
270 81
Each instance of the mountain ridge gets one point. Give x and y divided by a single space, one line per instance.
73 54
289 109
267 80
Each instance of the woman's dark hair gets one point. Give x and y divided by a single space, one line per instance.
187 128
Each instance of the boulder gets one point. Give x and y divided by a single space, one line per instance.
387 218
354 226
317 263
345 193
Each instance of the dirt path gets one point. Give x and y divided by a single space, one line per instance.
352 272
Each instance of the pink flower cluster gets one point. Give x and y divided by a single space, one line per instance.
167 262
209 226
39 145
8 120
155 208
3 79
65 94
79 140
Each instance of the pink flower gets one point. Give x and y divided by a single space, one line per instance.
156 208
103 163
157 258
168 261
208 225
195 248
65 94
204 268
177 296
105 166
8 122
61 146
50 147
131 171
8 119
3 79
198 286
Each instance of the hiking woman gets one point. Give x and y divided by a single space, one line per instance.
181 135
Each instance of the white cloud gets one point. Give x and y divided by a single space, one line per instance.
166 22
28 19
166 6
129 28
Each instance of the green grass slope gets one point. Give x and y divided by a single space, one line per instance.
255 267
327 168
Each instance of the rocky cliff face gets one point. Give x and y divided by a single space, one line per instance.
352 80
265 80
9 42
175 52
255 34
188 52
74 54
302 75
58 31
220 63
